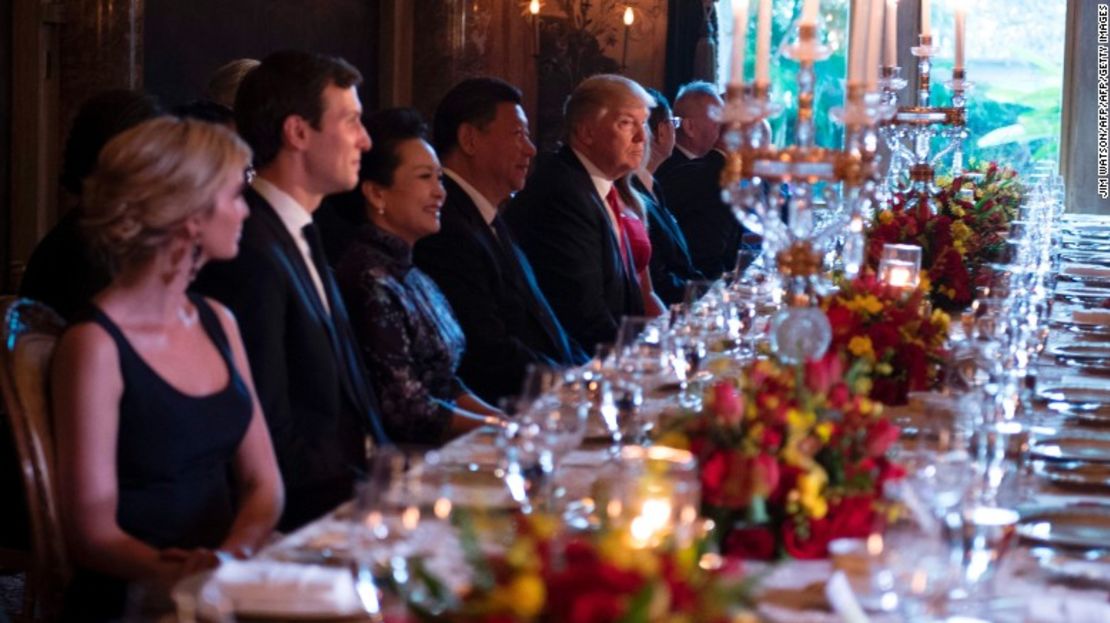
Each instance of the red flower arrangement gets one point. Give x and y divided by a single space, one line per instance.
548 576
972 213
790 457
892 338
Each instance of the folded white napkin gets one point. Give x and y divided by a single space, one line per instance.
839 593
264 587
1091 316
1060 605
1087 270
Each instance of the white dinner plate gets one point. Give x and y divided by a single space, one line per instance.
1072 447
1077 526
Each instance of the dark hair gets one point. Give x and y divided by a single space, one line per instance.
205 110
100 118
287 83
472 101
660 112
388 129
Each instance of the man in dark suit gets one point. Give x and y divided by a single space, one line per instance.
698 108
671 266
567 217
693 193
300 113
481 134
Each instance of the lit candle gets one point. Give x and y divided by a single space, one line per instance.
857 41
809 12
763 44
739 41
629 17
534 9
897 273
961 17
874 37
925 26
891 57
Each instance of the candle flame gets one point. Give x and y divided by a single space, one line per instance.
875 544
534 7
629 16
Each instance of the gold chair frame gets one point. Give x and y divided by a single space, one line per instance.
28 334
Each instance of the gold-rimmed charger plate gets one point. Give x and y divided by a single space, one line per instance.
1075 447
1088 397
1074 526
1074 473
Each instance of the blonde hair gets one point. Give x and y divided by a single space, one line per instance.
596 94
151 178
223 85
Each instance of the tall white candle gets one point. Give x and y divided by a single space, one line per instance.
926 28
739 41
809 12
961 17
763 44
890 58
857 41
874 39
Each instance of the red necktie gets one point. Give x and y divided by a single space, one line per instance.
614 201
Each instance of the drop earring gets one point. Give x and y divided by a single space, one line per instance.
194 266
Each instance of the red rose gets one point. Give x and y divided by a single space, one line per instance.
881 435
814 545
765 474
820 374
852 517
753 543
728 403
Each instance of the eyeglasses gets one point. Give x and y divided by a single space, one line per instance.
677 121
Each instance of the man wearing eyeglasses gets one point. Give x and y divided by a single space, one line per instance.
697 112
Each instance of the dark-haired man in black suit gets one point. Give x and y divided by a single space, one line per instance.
481 134
300 113
567 217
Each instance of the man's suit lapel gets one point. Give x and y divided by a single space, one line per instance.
633 300
340 340
508 260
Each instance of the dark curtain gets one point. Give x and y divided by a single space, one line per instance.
691 43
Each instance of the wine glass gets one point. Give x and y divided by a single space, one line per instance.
686 351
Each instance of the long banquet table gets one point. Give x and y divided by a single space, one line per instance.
1026 589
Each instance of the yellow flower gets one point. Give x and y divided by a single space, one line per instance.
886 216
524 596
958 212
860 346
869 303
862 386
884 368
941 319
673 439
824 431
522 554
800 420
810 486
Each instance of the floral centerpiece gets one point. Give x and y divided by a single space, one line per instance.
790 457
966 232
891 337
598 577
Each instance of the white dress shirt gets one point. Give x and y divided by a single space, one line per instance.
294 217
485 208
685 152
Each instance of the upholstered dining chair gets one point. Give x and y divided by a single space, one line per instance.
27 338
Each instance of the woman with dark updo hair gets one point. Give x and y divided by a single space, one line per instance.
408 334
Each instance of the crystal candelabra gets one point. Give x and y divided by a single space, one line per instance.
909 133
792 236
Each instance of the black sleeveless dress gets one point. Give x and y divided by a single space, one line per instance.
173 460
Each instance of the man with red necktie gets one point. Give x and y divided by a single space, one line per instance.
566 219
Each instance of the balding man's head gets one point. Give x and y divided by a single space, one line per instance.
699 106
606 119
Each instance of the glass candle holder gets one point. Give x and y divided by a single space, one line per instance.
900 265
